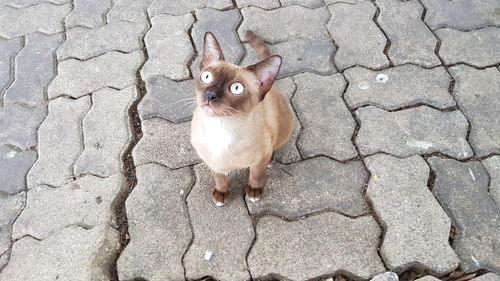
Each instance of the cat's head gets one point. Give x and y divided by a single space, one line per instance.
225 89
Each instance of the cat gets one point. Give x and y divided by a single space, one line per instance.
240 118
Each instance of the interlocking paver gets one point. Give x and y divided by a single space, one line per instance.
324 244
477 93
358 38
34 69
306 3
165 143
59 142
265 4
462 190
14 165
313 185
71 254
8 49
411 40
208 254
77 78
292 22
322 111
18 22
488 277
492 165
26 3
84 43
88 13
10 207
160 233
477 47
86 202
178 8
169 47
406 207
420 130
18 124
427 278
388 276
398 87
129 10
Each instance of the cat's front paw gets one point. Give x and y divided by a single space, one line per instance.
254 194
220 198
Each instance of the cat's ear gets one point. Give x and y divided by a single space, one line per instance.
266 72
211 50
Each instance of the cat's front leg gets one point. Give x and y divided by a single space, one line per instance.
220 193
257 179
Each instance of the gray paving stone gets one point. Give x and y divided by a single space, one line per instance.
388 276
78 78
86 202
322 111
478 47
208 254
358 38
168 99
313 185
26 3
165 143
264 4
10 207
169 47
305 3
88 13
477 92
420 130
71 254
18 22
8 49
59 142
179 8
84 43
14 166
299 56
462 190
4 259
492 165
34 69
427 278
406 207
324 244
160 233
405 85
461 14
292 22
18 124
106 132
223 25
411 40
129 10
488 277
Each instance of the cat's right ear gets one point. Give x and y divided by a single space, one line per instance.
211 50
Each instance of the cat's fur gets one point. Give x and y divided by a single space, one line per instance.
231 131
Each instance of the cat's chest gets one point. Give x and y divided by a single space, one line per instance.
217 136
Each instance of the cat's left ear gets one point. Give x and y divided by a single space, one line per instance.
266 72
211 50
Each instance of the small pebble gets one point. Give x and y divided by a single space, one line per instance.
382 78
208 255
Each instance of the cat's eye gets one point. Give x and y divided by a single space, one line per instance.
206 77
236 88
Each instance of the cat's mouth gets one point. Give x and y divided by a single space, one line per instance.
209 109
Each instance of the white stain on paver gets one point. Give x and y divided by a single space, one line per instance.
419 144
473 177
381 78
208 255
363 85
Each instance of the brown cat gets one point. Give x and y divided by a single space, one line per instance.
240 118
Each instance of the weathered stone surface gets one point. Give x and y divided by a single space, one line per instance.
14 165
19 22
488 277
461 14
223 25
322 111
306 3
265 4
404 86
462 190
406 207
77 78
71 254
84 43
313 185
129 10
18 124
8 49
10 207
60 142
169 47
210 223
388 276
26 3
295 22
358 38
106 132
178 8
477 94
492 165
427 278
411 40
420 130
299 56
34 69
88 13
86 202
324 244
165 143
477 47
160 233
167 99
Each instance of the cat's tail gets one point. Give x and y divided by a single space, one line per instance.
259 45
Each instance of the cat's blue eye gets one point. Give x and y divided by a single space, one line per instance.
236 88
206 77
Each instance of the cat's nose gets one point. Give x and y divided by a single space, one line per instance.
210 96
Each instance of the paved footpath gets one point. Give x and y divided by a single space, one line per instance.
394 164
